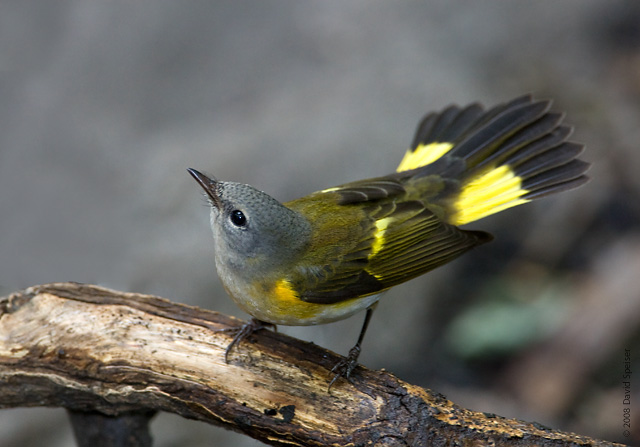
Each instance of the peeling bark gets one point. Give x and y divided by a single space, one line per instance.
90 349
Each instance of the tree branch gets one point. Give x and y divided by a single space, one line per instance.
91 349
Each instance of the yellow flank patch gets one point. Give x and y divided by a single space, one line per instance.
488 194
285 307
423 155
381 228
285 292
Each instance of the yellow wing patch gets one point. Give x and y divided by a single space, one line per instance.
488 194
381 228
423 155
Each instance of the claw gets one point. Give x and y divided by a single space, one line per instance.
243 332
345 367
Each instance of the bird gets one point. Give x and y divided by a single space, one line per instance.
333 253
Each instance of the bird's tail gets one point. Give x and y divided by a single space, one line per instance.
491 160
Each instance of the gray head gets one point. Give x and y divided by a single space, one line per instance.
251 228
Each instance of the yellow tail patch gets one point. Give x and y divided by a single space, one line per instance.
423 155
488 194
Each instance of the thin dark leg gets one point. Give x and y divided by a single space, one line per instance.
245 331
345 367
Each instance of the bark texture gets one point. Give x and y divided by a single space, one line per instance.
90 349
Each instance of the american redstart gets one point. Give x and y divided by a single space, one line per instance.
330 254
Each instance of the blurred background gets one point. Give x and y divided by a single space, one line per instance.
104 104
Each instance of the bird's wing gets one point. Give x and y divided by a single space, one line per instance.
390 240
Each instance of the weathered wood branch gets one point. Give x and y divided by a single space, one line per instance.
91 349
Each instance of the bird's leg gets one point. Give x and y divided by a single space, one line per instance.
243 332
345 367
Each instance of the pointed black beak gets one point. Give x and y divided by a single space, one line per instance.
208 184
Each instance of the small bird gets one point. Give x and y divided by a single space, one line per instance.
330 254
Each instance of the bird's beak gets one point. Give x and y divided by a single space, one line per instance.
209 186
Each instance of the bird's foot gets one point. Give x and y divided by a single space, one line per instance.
345 367
243 332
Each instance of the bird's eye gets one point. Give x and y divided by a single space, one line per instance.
238 218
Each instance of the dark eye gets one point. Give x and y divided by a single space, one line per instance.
238 218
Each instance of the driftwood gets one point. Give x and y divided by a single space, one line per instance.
122 356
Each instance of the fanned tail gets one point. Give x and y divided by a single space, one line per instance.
495 159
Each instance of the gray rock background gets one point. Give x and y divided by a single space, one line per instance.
104 104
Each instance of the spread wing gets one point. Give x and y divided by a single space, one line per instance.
391 238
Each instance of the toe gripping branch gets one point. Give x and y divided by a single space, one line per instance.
244 331
343 369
